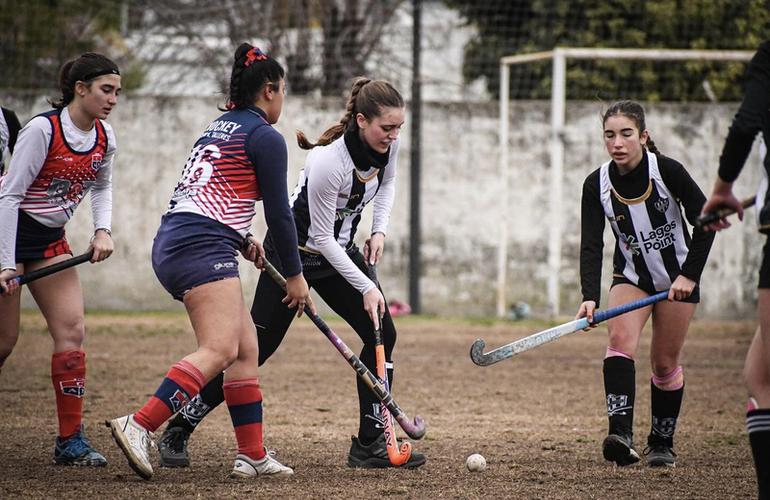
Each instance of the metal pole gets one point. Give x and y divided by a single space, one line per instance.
502 250
558 112
415 266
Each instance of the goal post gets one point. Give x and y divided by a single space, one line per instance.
559 57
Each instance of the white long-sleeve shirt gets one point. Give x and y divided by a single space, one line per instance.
328 201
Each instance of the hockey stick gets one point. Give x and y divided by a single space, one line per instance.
711 217
540 338
49 270
395 455
416 429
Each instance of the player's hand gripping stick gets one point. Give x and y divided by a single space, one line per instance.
49 270
540 338
416 429
711 217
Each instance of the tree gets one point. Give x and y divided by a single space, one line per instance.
39 36
506 27
324 43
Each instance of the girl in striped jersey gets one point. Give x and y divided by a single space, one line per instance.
238 160
640 192
59 157
351 165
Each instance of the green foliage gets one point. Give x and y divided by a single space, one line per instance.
508 27
39 36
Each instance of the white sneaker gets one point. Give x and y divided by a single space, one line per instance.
267 466
135 441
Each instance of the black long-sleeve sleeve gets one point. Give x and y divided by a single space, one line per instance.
592 221
749 119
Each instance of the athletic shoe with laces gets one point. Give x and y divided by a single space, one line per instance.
246 467
135 441
375 456
172 446
660 455
619 448
77 451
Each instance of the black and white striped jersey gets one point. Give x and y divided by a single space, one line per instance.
333 189
653 243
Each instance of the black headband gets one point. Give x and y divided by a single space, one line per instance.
95 74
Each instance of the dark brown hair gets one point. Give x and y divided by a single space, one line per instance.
367 97
635 112
252 70
86 69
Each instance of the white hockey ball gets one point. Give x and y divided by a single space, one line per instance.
476 463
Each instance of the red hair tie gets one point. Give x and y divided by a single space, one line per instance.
230 105
254 55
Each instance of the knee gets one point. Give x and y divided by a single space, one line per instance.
70 332
663 366
222 356
5 351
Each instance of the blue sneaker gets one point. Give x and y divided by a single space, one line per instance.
77 451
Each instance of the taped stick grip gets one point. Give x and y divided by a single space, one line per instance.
711 217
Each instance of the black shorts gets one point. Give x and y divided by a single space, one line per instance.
694 297
764 268
35 241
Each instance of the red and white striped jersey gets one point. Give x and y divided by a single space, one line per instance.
219 180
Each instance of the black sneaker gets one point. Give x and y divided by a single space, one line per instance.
173 447
660 455
619 448
375 456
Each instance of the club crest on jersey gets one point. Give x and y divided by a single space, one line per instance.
96 161
661 205
73 387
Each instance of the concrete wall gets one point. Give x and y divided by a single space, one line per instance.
460 211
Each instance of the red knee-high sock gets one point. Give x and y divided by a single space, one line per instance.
183 381
68 373
244 401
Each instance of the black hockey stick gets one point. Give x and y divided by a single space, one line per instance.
711 217
49 270
416 429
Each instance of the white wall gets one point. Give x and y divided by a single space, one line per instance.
460 192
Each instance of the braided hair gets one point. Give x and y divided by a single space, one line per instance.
252 70
86 68
367 97
635 112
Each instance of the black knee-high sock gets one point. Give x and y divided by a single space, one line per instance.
665 414
211 396
370 425
758 425
620 389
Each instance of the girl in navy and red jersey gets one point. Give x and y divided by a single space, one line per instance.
641 193
59 157
238 160
352 164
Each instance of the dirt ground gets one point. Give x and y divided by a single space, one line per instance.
539 418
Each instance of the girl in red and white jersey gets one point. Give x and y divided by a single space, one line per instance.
59 157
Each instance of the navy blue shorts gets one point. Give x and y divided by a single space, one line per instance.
35 241
191 250
694 297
